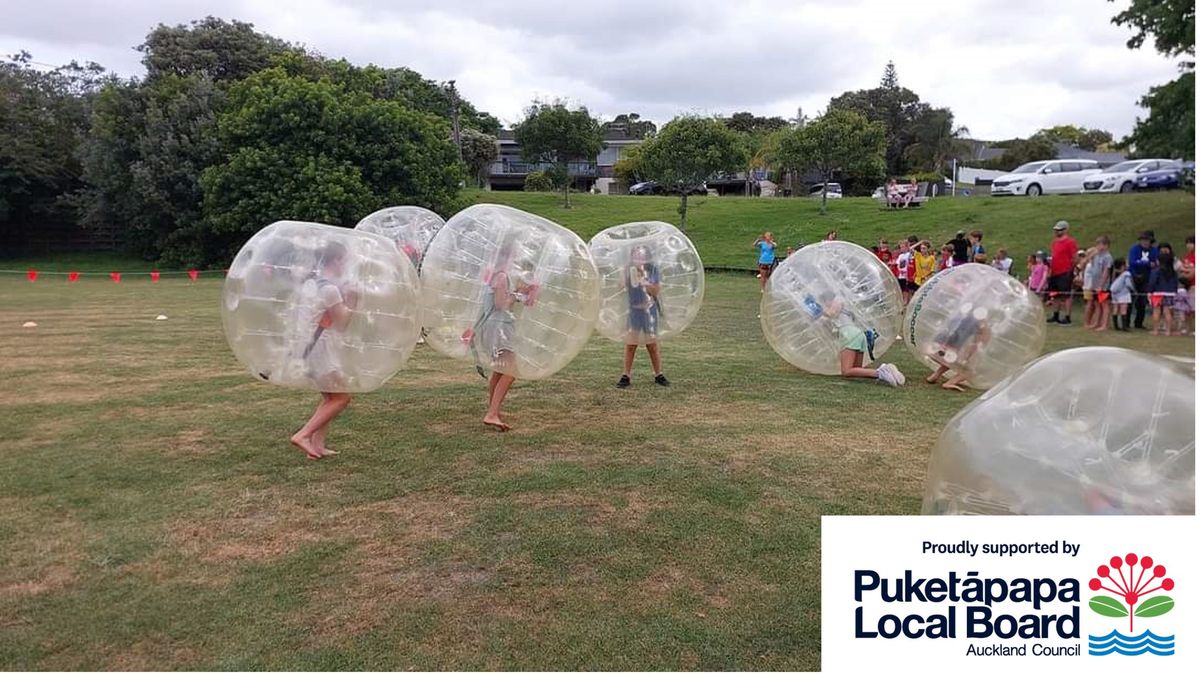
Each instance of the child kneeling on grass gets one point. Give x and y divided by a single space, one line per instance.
956 347
856 342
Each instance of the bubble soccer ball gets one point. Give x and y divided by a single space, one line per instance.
286 289
820 288
975 320
511 291
411 227
1089 431
651 281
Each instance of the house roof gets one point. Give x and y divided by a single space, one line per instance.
1066 151
615 136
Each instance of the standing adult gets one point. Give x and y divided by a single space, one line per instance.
766 258
1062 273
962 249
1143 258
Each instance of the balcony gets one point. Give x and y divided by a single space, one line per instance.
576 169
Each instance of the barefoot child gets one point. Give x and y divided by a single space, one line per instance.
491 338
642 284
1039 274
956 347
1097 273
325 308
1163 286
854 342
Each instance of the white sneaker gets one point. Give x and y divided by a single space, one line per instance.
900 378
884 374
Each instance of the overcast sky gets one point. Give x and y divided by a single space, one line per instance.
1005 67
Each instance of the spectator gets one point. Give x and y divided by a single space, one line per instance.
1163 286
1039 274
1122 294
893 193
1143 257
911 193
1097 275
766 258
1002 261
980 259
946 260
925 263
883 251
1062 272
905 271
975 238
1187 271
962 248
831 235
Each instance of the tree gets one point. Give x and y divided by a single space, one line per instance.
222 50
1169 129
630 168
479 151
43 114
838 142
1077 136
1021 151
305 150
747 122
896 107
936 140
553 133
688 151
632 124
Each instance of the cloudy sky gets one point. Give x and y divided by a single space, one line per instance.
1005 67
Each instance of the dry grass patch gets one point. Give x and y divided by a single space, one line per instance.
42 557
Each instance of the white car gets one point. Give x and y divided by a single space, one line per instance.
1054 176
1123 177
834 190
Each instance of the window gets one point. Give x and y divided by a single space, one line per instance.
1053 167
1071 167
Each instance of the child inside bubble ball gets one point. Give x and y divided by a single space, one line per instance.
854 342
326 307
956 346
491 338
643 282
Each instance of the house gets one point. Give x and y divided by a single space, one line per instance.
1105 159
509 170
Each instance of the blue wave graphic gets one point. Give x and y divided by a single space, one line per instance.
1146 642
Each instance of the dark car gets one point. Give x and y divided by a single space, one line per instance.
1161 179
652 187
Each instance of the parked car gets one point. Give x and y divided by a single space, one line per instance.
1054 176
652 187
833 190
1164 178
1123 177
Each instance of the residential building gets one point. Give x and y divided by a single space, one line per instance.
509 170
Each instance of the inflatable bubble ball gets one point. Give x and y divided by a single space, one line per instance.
511 291
651 281
411 227
1088 431
818 293
976 321
319 307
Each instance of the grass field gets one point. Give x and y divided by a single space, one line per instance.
154 516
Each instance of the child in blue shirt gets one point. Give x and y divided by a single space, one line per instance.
766 258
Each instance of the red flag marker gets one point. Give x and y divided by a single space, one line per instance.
31 275
154 277
72 276
115 276
193 274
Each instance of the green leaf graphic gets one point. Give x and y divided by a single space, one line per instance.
1154 606
1107 606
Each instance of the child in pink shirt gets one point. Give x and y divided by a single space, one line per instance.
1038 274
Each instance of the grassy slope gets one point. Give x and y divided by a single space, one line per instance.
724 228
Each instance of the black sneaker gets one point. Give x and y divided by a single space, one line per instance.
1053 319
624 382
661 380
1065 321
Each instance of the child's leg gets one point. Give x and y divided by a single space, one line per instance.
655 357
937 374
630 352
1167 320
1102 319
332 404
1155 317
852 365
955 383
492 418
495 377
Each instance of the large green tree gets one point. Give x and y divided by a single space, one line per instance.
43 115
556 134
632 124
936 141
1170 126
688 151
897 108
1079 136
317 151
840 142
479 151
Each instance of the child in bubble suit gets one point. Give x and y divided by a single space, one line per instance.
957 345
642 284
326 307
854 341
491 338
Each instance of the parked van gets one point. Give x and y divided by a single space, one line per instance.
1055 176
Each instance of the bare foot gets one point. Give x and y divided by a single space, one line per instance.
496 423
950 386
325 451
305 444
1101 329
932 379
